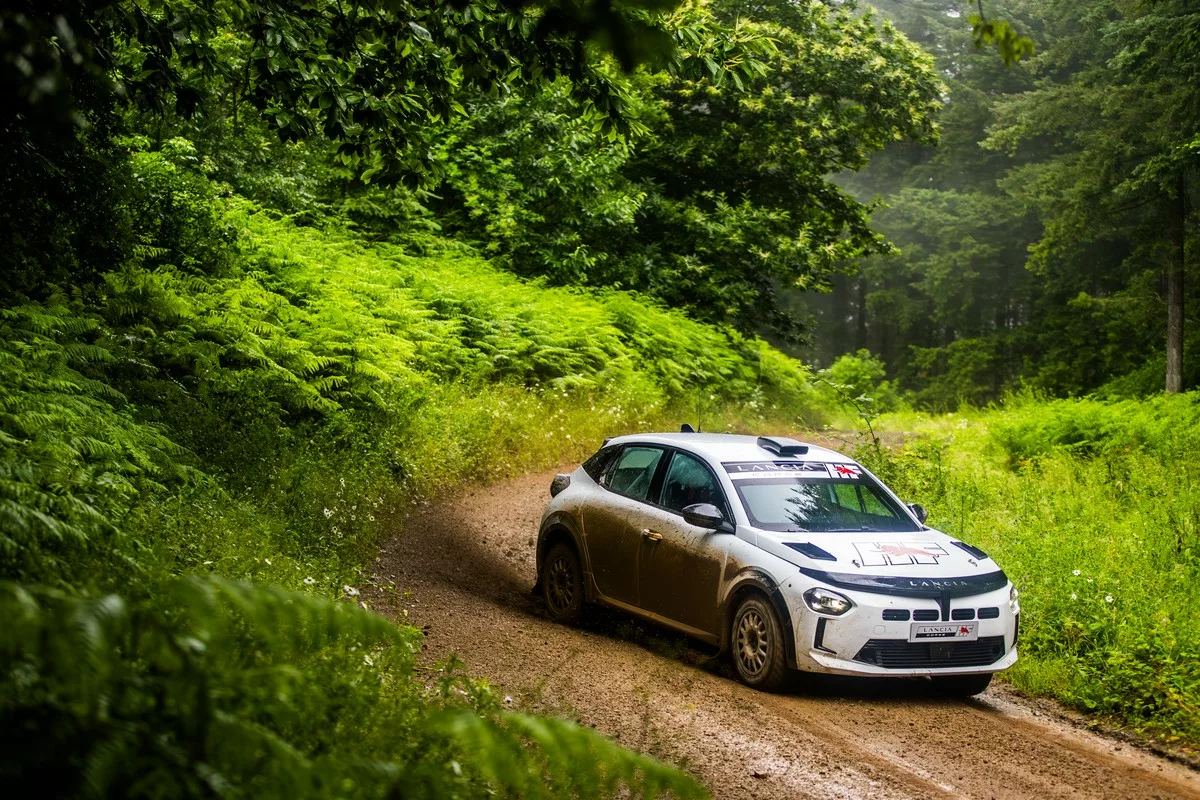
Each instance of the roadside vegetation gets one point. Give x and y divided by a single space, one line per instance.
1092 508
257 406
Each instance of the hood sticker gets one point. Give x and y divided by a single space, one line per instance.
898 554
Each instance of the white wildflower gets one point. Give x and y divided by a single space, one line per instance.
1075 572
367 660
1074 596
328 513
350 590
1108 598
267 561
308 581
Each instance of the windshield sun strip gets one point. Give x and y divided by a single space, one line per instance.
898 523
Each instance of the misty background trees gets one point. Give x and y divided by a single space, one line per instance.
1046 240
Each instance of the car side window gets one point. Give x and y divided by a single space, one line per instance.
596 465
690 482
633 472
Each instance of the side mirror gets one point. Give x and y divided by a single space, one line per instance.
704 515
919 512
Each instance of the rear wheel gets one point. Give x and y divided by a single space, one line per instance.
562 584
962 685
756 645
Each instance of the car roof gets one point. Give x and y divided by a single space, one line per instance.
721 447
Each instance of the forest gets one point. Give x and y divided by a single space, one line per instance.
276 273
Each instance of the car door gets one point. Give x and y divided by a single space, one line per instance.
679 564
612 542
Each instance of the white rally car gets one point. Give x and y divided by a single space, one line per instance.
785 555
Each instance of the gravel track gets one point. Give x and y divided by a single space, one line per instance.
465 569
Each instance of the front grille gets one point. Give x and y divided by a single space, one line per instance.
901 654
962 613
989 613
896 614
925 614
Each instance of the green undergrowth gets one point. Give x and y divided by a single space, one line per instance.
199 455
1093 509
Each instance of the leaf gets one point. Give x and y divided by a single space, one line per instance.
421 33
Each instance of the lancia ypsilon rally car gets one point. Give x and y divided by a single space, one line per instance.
785 555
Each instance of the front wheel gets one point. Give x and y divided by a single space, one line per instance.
562 584
757 645
962 685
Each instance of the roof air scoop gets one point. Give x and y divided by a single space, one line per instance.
781 446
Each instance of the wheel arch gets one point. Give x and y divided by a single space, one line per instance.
756 581
559 527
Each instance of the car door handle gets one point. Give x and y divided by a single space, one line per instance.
653 536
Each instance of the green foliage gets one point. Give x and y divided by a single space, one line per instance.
1093 509
1011 45
340 367
364 74
261 401
219 687
857 382
73 462
355 83
723 198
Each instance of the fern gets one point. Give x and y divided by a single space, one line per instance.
106 697
72 461
259 409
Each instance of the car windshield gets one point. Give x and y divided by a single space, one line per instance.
827 505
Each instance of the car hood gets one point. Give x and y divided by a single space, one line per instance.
919 554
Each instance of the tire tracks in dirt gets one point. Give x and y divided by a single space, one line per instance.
465 569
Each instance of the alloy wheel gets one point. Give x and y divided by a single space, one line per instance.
561 584
753 642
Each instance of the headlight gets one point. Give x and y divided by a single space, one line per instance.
1014 604
824 601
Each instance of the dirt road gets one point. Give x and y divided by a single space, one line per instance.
466 569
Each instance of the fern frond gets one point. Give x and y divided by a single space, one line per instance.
573 760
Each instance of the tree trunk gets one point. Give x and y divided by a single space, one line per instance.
861 337
1175 264
839 324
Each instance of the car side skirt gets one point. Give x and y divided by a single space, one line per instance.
650 616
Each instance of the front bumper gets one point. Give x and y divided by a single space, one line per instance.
863 642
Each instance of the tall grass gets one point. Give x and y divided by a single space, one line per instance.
1093 509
